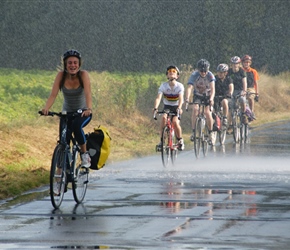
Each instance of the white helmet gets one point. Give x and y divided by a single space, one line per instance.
222 67
235 60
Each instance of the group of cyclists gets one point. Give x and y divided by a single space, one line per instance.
239 80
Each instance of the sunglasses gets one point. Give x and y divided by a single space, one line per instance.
203 71
172 71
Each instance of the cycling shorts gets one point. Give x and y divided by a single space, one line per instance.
199 99
171 108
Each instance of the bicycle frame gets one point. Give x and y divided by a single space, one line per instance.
69 153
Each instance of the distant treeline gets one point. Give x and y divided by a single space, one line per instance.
144 35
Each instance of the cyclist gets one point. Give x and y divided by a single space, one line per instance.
76 88
252 81
223 87
239 78
172 92
203 82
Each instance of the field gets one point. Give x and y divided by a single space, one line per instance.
123 103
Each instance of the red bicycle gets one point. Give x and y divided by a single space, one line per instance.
169 143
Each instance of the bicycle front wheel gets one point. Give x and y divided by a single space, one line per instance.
197 137
165 150
80 179
242 132
205 139
58 176
236 127
222 134
173 153
246 133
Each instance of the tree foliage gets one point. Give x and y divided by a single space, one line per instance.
144 35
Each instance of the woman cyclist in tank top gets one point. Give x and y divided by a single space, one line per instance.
76 88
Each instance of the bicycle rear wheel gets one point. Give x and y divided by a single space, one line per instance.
165 150
58 176
197 137
80 179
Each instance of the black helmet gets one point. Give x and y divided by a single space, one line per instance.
203 65
70 53
172 67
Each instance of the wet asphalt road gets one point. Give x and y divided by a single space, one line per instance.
238 197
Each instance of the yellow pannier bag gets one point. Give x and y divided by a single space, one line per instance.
98 146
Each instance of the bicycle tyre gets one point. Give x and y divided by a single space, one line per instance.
205 139
246 133
197 137
222 134
80 179
242 132
58 178
173 153
165 151
236 127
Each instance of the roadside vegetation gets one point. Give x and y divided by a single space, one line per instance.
123 103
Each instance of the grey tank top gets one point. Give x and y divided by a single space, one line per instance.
74 99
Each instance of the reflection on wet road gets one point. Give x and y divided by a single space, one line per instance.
236 198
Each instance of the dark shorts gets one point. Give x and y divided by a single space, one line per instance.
200 99
171 108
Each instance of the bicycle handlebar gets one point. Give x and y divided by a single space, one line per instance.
63 113
168 112
190 103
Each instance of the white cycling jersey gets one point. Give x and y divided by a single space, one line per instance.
171 94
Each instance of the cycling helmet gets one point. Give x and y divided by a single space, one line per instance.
246 57
70 53
235 60
203 65
172 67
222 67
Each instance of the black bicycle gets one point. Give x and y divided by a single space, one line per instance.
66 164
